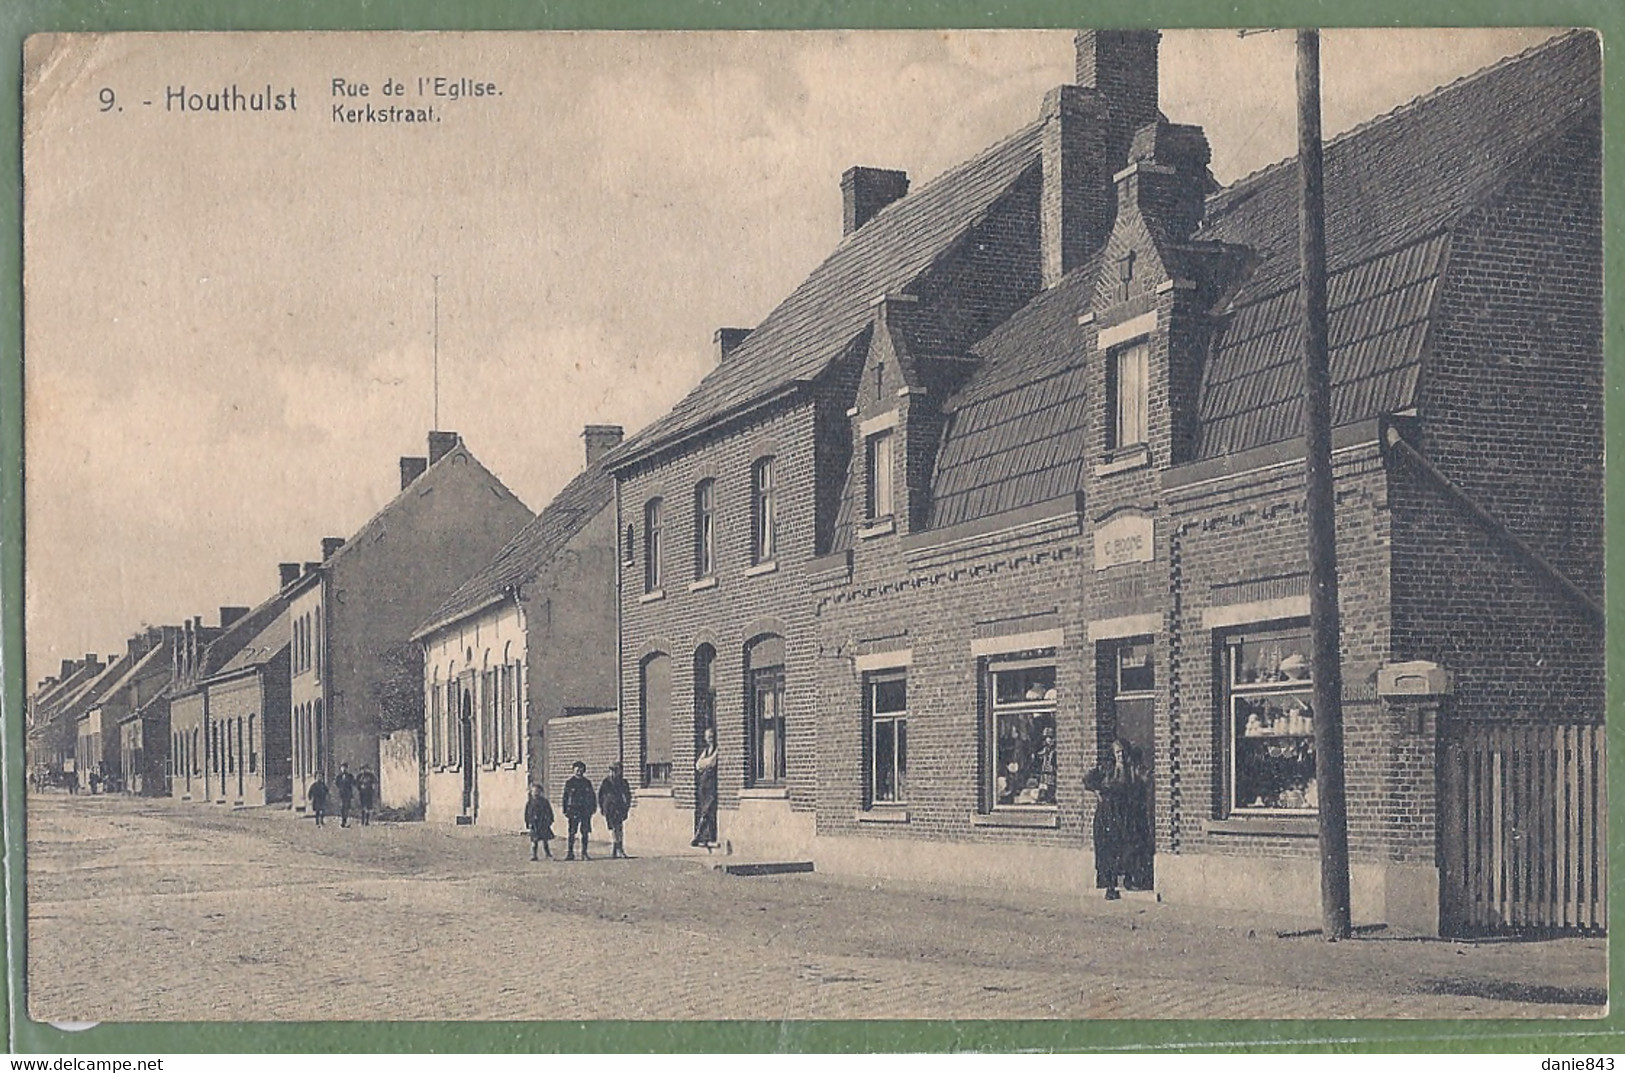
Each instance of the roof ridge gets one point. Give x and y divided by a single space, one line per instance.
1235 188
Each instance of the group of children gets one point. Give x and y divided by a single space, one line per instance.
613 799
350 788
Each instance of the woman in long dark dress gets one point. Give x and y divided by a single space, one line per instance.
1122 832
705 791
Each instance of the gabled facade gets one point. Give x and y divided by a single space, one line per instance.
131 720
1011 540
524 644
51 728
356 675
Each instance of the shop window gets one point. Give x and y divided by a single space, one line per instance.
705 528
886 737
1268 718
1021 731
655 700
764 516
879 454
1127 377
652 538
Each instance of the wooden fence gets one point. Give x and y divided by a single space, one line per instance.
1523 828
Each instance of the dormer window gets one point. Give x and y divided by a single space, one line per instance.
879 498
1127 383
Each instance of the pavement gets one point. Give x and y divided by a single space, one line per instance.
145 910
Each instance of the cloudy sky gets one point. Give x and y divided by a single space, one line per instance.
228 317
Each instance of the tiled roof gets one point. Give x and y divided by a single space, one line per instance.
1017 432
263 644
136 667
811 327
224 649
1393 189
531 549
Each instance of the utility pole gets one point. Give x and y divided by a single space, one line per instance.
1324 621
436 417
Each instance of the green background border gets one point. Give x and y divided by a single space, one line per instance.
18 18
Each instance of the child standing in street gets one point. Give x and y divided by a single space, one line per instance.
317 796
539 822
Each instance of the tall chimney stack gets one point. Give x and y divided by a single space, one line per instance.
729 340
330 546
411 469
440 444
287 574
1122 66
865 191
601 439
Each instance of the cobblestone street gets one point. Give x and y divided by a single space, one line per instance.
153 910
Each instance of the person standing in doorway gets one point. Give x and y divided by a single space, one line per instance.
344 783
317 796
539 821
366 792
615 802
579 804
705 791
1122 834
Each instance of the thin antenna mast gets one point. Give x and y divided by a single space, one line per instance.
436 352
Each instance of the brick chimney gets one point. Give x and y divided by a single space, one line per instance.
68 667
287 574
1167 178
601 439
865 191
729 340
1087 129
311 568
229 615
440 444
411 469
330 546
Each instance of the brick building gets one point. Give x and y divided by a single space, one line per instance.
524 646
132 717
52 721
1033 468
356 675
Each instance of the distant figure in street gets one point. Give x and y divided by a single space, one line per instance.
705 791
579 805
95 782
366 790
615 801
539 822
317 796
344 783
1122 828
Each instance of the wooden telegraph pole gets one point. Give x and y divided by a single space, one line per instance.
1324 623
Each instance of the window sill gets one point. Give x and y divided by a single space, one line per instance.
765 793
1011 817
651 597
1266 826
769 567
1124 459
882 814
652 791
709 581
880 528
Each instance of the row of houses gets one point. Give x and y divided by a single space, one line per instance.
1014 473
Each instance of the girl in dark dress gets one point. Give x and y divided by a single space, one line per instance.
705 791
1122 832
539 822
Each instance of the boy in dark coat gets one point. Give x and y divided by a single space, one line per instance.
317 796
366 791
615 801
579 805
344 783
539 822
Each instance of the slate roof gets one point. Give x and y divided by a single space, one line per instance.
1394 187
821 317
531 549
141 663
260 646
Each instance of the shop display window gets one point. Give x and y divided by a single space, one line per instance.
1022 728
1269 703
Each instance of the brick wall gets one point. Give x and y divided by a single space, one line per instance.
592 739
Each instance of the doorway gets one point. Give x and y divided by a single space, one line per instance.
1128 710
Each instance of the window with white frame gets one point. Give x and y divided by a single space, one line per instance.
879 493
1269 720
764 515
1021 731
652 539
885 737
437 724
1127 390
705 528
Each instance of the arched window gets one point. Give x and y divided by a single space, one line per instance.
654 693
705 528
764 711
763 514
629 545
316 645
652 538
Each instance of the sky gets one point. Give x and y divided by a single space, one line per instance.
229 317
